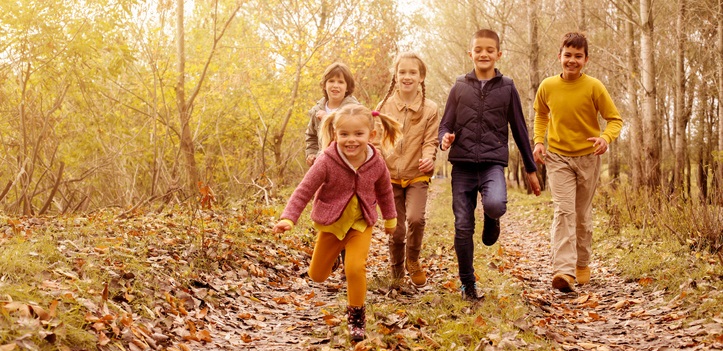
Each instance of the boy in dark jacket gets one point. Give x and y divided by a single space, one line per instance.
474 128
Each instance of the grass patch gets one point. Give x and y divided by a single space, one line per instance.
663 243
28 266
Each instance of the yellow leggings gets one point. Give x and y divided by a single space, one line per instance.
327 249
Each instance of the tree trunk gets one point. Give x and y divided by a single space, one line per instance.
187 148
614 163
703 142
651 123
581 22
719 159
279 136
533 32
302 61
636 140
681 116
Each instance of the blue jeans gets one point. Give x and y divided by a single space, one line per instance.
467 180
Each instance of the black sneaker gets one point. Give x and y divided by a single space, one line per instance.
469 292
491 230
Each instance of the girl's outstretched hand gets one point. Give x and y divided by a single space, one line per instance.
281 227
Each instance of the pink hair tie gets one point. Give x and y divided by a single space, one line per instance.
375 113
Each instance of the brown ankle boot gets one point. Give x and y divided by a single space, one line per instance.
582 274
357 322
419 278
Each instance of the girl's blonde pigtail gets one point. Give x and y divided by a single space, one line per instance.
327 130
391 131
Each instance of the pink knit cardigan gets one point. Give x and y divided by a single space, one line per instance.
336 182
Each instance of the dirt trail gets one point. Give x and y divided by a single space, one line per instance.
607 314
286 311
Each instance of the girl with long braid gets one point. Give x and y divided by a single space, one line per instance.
410 164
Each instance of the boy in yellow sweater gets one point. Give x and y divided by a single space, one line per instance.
566 109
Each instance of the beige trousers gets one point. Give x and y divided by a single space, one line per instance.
572 184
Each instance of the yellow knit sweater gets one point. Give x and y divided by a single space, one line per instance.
567 112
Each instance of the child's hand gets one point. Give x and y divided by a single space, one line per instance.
600 144
310 160
426 165
389 231
281 227
534 182
320 114
539 153
447 141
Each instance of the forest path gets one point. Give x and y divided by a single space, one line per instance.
607 314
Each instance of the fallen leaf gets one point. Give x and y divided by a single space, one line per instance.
582 299
588 346
40 312
645 281
52 310
204 335
331 320
621 304
202 313
105 292
103 339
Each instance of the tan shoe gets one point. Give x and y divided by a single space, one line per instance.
582 274
563 282
419 278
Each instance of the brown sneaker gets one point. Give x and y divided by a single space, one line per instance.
563 282
582 274
419 278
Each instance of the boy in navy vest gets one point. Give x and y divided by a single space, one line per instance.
474 127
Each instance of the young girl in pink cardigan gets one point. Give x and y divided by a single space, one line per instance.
349 179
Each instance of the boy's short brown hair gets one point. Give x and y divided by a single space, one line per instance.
486 33
574 39
338 69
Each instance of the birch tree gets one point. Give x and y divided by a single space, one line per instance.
534 58
651 121
680 107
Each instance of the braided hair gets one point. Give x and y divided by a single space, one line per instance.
395 66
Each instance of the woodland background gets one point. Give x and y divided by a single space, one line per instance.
137 139
110 103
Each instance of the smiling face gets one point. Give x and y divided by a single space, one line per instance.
409 76
572 60
335 88
352 134
484 54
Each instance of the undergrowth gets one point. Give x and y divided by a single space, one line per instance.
663 242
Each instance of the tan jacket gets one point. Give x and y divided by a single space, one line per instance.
419 136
